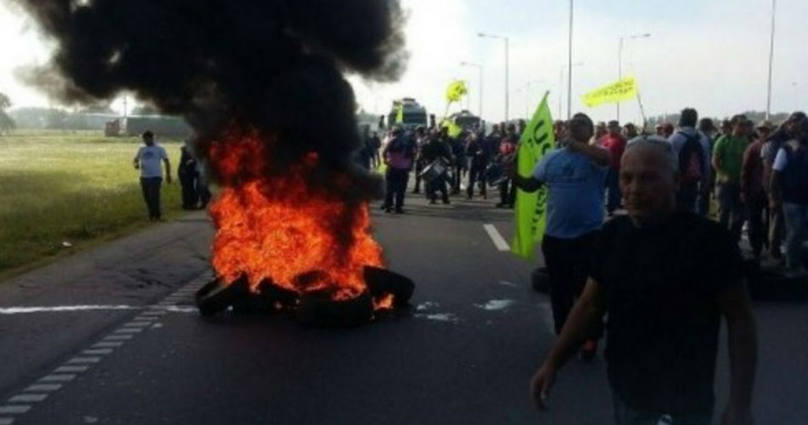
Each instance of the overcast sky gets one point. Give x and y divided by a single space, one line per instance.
710 54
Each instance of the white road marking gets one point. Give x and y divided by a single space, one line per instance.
43 387
118 337
71 369
156 310
498 240
14 409
49 383
97 352
75 360
58 378
113 344
63 308
27 398
493 305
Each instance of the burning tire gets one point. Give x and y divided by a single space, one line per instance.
216 297
381 282
319 309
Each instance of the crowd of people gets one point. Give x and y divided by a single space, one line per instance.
647 227
732 174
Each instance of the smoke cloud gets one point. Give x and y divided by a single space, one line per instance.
271 66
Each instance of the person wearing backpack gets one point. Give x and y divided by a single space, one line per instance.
728 160
693 150
789 189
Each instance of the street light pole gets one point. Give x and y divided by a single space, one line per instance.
507 70
620 60
561 86
569 65
479 68
507 79
619 71
771 60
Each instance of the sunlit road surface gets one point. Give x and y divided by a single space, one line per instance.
111 336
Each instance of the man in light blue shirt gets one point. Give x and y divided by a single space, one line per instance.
575 176
148 160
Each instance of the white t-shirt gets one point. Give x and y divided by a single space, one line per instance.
150 158
781 160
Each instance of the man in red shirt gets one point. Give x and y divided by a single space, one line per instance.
753 194
615 143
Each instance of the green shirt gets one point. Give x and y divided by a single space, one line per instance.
728 152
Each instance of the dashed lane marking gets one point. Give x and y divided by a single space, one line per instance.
117 337
27 398
43 387
64 377
498 240
71 369
14 409
97 352
149 316
108 344
76 360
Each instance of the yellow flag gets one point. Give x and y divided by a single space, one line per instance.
400 114
456 90
531 208
454 130
624 89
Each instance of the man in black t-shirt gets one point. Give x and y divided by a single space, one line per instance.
665 278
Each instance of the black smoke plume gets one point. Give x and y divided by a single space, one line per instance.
275 66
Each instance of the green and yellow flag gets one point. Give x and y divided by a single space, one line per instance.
400 114
452 128
456 90
531 208
619 91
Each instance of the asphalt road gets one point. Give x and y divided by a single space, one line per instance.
137 352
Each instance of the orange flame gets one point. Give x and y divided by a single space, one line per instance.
281 228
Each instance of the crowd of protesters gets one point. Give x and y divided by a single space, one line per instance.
648 228
745 176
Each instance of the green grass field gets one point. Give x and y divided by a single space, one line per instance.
75 187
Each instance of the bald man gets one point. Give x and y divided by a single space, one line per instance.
665 277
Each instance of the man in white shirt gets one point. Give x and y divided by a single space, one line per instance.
148 160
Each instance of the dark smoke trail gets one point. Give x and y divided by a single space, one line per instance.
274 66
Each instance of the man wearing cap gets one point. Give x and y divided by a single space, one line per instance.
752 194
615 143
